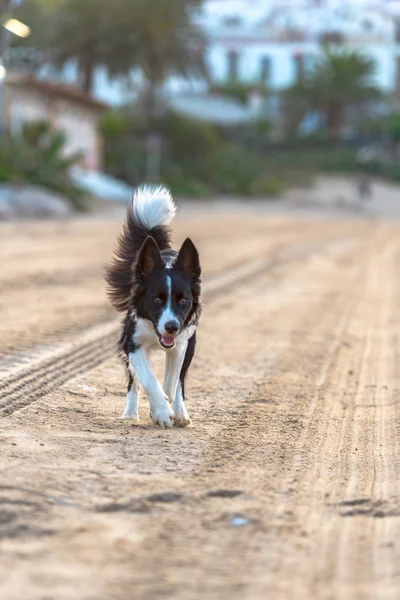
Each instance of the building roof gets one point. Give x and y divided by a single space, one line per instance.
223 111
56 90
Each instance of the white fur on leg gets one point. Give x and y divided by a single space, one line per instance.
132 404
173 367
142 370
182 418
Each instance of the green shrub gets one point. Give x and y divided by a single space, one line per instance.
190 188
238 91
35 156
391 172
263 127
343 160
186 137
233 170
114 124
126 159
265 186
198 159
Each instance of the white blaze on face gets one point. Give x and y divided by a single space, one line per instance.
167 314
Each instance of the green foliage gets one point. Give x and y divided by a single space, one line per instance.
253 135
198 159
114 124
164 38
158 36
189 140
391 172
239 91
234 170
263 127
339 81
187 145
265 186
235 90
380 128
36 156
301 161
189 187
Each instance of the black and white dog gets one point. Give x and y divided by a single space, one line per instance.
158 289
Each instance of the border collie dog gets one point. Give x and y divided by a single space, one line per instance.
158 290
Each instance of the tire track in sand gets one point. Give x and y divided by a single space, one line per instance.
22 386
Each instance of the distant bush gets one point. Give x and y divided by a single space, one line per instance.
233 89
186 137
318 140
309 160
233 170
254 136
189 188
238 91
391 172
35 156
272 187
383 127
198 159
114 123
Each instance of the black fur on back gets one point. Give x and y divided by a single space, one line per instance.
120 272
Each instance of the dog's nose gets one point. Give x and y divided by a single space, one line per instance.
171 327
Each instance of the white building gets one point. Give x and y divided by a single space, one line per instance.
254 44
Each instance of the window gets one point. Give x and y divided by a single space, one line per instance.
232 21
398 74
233 65
265 69
332 37
367 25
298 66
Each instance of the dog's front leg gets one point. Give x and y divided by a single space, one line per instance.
172 387
141 367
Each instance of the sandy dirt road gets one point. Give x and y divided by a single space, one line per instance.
288 483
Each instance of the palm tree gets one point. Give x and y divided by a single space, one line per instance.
158 37
69 29
339 82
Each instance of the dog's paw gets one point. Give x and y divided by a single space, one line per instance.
130 415
162 415
182 418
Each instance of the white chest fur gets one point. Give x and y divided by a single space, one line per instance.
145 335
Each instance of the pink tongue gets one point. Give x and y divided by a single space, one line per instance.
168 340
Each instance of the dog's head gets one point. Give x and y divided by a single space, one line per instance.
167 295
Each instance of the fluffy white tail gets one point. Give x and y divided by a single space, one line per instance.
153 206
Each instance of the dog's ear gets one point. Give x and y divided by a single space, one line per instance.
188 259
149 257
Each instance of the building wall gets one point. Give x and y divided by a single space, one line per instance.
79 123
283 64
233 29
23 106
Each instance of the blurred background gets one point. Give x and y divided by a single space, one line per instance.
213 97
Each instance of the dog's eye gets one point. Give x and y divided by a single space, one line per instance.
157 300
183 301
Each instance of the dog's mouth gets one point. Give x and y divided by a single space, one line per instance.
167 341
